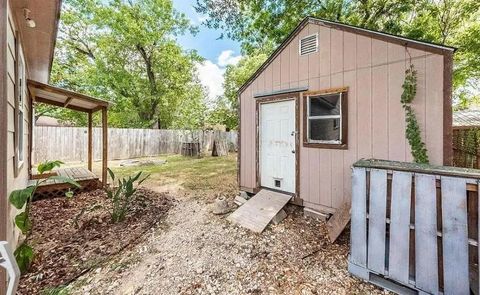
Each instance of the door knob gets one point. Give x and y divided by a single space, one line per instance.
293 151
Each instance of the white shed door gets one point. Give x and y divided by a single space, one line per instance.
277 145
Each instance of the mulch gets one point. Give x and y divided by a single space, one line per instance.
68 243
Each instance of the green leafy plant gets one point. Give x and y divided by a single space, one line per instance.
21 198
123 194
413 134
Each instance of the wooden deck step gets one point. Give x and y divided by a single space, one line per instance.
257 212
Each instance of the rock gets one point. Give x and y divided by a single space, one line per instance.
220 206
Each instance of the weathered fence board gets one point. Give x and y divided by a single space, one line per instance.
426 258
70 143
359 218
422 233
455 236
400 226
376 221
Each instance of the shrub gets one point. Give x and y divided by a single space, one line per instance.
123 194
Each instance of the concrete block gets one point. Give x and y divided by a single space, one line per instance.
239 201
281 215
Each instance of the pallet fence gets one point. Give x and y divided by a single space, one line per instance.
69 144
414 228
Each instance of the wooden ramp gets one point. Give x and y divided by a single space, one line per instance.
257 212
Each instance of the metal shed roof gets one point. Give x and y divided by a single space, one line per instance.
466 118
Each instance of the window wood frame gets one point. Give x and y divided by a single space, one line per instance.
343 118
19 107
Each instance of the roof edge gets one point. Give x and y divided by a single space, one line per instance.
54 38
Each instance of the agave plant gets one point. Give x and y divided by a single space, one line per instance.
123 194
21 198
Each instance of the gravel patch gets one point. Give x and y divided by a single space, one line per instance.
194 251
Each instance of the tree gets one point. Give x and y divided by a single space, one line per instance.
125 51
226 110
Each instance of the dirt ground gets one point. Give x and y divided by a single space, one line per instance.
70 236
195 252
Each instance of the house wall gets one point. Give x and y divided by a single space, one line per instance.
14 180
373 70
3 132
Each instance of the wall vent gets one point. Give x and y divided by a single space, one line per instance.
308 44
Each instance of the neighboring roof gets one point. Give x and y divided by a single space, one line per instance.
60 97
466 118
47 121
422 45
39 42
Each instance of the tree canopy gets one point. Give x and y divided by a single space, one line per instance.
125 51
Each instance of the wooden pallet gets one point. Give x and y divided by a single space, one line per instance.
416 229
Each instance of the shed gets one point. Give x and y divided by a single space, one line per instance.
328 96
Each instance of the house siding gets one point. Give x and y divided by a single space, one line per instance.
21 179
374 71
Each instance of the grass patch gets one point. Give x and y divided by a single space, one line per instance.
204 174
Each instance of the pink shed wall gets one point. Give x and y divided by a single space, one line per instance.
373 70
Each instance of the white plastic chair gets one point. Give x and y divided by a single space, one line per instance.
7 261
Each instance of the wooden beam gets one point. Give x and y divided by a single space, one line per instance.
60 104
104 146
4 210
67 102
90 141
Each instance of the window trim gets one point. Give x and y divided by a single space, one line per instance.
19 93
343 144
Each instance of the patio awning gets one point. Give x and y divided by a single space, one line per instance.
60 97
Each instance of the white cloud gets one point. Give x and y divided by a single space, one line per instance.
211 76
227 58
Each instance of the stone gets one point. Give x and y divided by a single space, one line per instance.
220 206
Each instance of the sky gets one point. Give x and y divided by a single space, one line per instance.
218 53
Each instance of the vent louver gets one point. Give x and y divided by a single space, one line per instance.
309 44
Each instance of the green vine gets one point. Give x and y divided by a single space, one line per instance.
419 150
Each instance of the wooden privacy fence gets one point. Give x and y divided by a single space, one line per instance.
414 228
70 143
466 147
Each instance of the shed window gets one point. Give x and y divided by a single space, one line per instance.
325 119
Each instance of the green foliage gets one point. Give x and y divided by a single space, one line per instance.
24 254
126 52
48 166
122 195
412 131
18 198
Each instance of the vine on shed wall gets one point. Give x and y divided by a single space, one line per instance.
412 132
